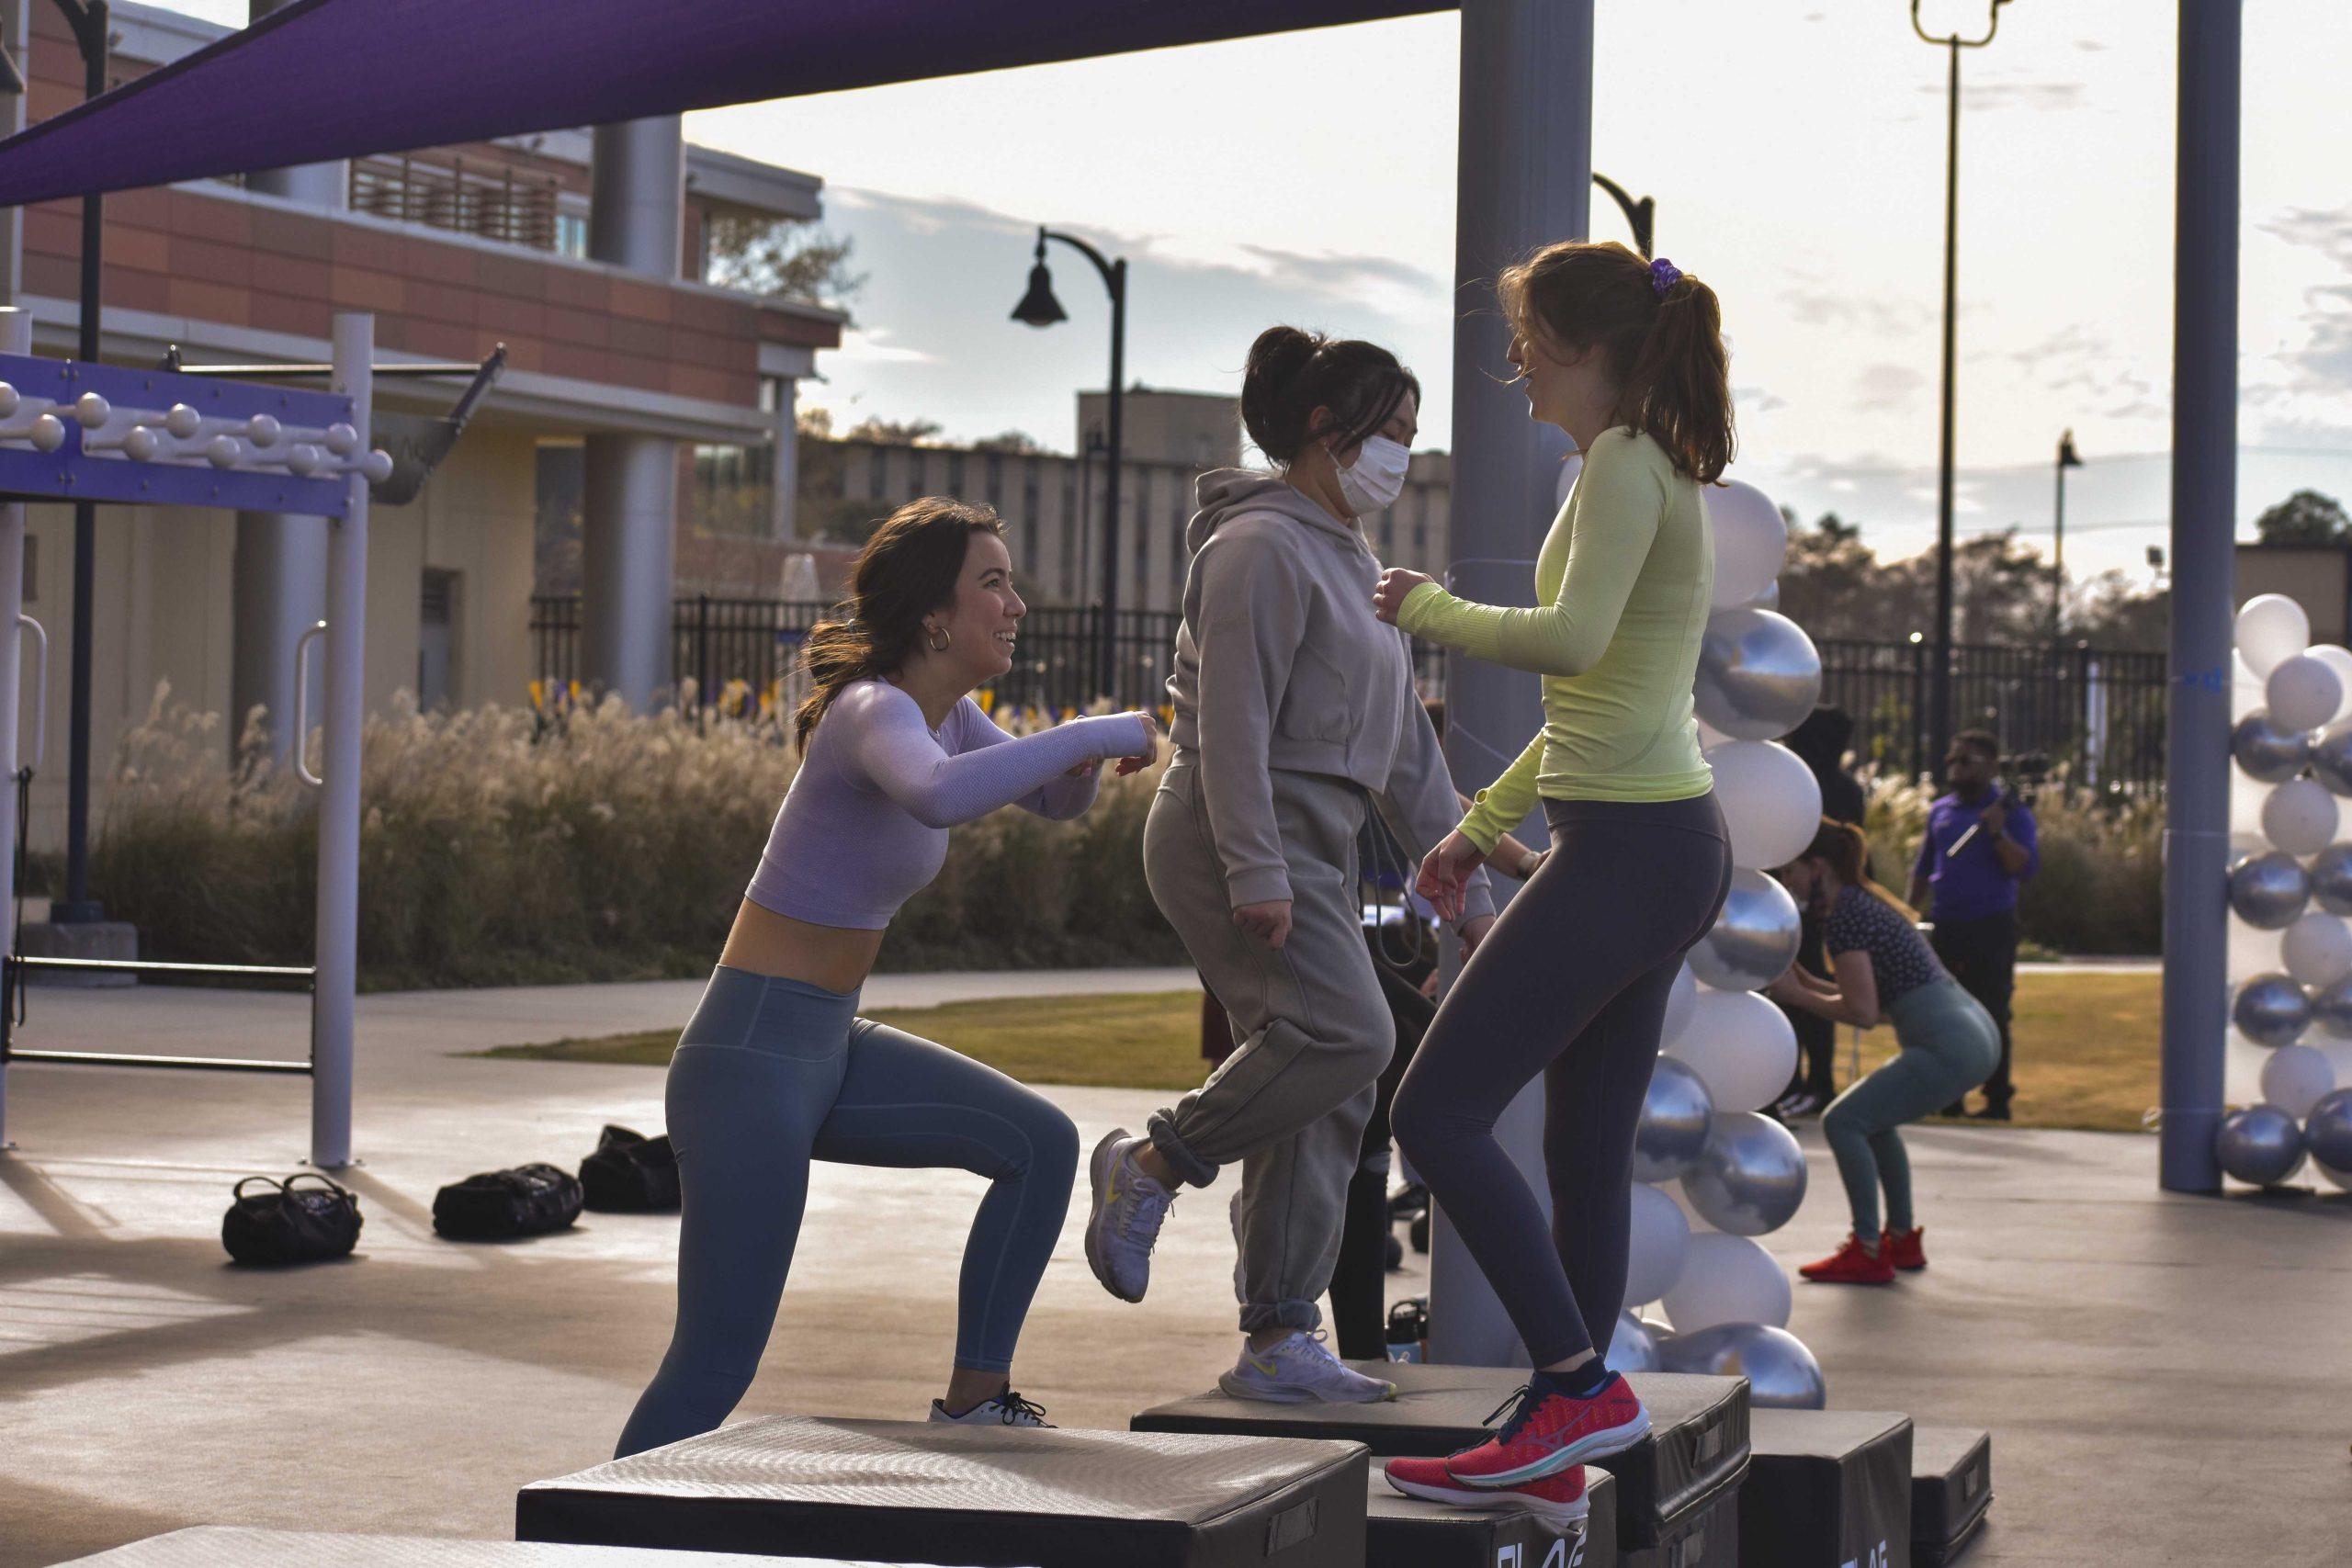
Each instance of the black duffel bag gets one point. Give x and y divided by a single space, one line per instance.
290 1224
498 1205
630 1174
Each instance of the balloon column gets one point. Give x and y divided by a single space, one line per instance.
2290 890
1728 1052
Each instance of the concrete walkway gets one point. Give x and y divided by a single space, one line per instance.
2165 1378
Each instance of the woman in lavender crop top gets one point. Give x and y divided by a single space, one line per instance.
776 1069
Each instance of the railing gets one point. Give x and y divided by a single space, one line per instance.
2099 713
493 202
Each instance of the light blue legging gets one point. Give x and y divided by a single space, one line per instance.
1949 1046
771 1074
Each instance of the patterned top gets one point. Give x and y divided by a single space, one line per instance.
1901 961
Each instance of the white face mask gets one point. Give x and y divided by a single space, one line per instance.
1377 478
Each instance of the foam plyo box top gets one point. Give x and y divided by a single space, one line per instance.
912 1492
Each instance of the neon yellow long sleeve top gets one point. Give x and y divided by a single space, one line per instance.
1622 585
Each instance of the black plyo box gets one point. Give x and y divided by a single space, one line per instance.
1952 1488
1826 1488
1408 1532
1698 1444
1705 1536
215 1546
986 1496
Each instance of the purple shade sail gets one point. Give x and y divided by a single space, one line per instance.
329 79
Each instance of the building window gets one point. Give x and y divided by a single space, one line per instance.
877 474
497 201
571 234
956 475
734 491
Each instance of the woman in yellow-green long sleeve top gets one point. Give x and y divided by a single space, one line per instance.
1572 982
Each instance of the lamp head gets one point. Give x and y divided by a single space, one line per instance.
1038 307
2068 456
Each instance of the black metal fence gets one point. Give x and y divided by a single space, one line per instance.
2099 713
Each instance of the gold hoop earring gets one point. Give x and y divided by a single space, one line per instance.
939 639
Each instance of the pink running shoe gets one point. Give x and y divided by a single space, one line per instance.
1545 1434
1557 1498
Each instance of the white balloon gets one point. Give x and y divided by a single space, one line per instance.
1751 540
2299 816
2317 949
1741 1046
1567 480
1709 736
2302 693
2338 659
2271 629
2297 1078
1728 1279
1660 1241
1772 802
1678 1005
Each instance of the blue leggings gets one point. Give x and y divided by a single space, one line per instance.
771 1074
1950 1045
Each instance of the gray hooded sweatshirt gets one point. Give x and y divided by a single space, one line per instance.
1281 663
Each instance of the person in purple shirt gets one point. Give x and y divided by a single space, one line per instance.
1978 849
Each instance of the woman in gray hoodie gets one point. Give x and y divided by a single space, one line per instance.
1294 716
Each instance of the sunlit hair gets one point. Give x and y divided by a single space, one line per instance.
909 569
1666 351
1291 374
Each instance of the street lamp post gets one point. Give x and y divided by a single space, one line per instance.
1038 307
91 26
1940 680
1642 215
2067 458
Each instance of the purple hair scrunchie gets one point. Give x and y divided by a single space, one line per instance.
1663 276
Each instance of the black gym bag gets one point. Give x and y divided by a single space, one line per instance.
630 1174
498 1205
290 1224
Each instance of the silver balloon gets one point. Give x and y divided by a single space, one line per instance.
1781 1373
1749 1178
2331 759
2330 876
2271 755
1758 675
2259 1144
2271 1010
1673 1127
2332 1010
2269 891
1755 939
2327 1131
1630 1348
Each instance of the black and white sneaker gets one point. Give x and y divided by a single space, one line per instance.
1007 1409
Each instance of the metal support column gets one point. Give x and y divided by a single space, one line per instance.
16 337
1525 179
2204 512
338 918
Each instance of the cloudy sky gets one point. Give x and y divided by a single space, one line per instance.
1795 150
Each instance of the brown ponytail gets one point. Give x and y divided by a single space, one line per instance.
1843 847
1661 328
907 569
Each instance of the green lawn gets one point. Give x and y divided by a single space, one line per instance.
2085 1044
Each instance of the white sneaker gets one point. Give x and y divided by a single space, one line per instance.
1299 1370
1125 1223
1007 1409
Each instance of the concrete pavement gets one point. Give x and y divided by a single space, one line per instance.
2165 1378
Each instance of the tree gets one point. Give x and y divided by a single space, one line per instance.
2305 517
779 257
893 432
1015 441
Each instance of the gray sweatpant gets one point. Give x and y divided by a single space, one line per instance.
1291 1102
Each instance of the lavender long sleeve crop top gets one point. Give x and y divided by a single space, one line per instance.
864 827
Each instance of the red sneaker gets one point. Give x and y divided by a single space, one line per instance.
1851 1265
1546 1433
1558 1499
1905 1249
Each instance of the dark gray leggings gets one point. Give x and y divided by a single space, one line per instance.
1571 983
